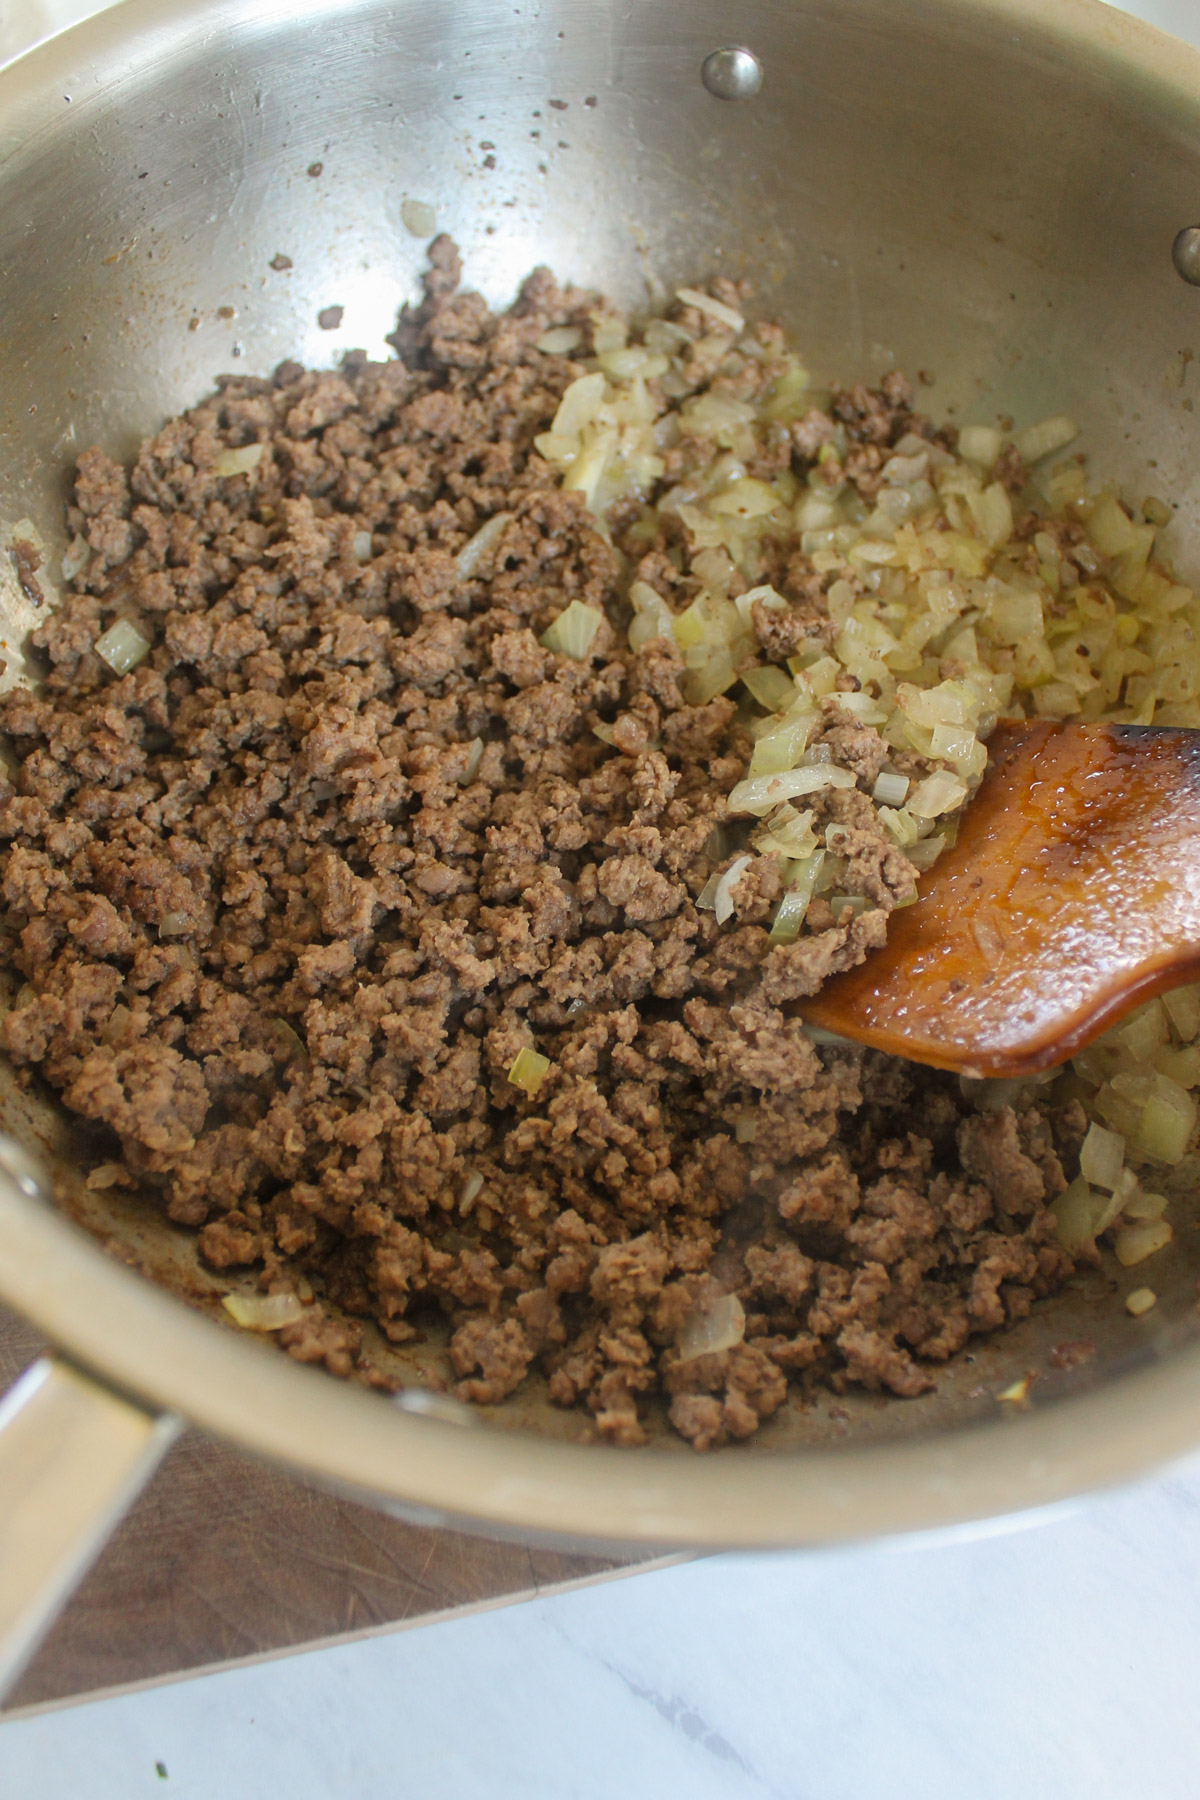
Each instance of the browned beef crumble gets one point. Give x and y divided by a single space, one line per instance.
284 942
27 560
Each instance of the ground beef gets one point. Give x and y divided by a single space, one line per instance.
289 898
27 560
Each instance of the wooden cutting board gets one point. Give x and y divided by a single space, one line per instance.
223 1560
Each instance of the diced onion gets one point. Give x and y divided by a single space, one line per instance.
1134 1243
759 794
1140 1207
745 1129
939 793
104 1175
816 512
240 461
715 569
1064 485
122 647
75 557
264 1312
578 405
469 1191
1166 1126
765 596
821 676
609 332
1182 1066
826 1040
1074 1216
1145 1031
529 1069
789 917
474 758
980 444
476 548
574 631
560 340
1140 1301
745 499
715 415
993 1095
709 1329
954 744
777 751
788 833
288 1040
950 703
715 675
903 471
995 515
899 824
925 852
174 924
1155 1114
1183 1009
1110 527
791 911
1102 1157
360 546
724 315
116 1025
1045 437
862 707
1124 1195
624 365
723 892
706 899
1014 615
418 218
652 616
890 789
770 687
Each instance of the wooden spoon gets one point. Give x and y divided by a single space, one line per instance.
1071 895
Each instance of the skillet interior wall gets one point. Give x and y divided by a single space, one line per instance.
894 202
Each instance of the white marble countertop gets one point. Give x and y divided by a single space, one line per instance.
1054 1662
1057 1662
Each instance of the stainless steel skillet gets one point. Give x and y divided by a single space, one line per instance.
986 189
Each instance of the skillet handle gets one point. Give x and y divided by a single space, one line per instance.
73 1454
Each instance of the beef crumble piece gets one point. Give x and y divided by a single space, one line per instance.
27 560
289 898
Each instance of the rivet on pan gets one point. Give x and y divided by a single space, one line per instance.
732 74
1185 254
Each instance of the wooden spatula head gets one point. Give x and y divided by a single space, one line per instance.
1071 896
